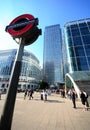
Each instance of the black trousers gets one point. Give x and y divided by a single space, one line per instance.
74 103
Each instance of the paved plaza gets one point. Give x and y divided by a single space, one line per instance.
55 114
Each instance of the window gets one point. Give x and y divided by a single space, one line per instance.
70 42
75 26
84 31
77 41
86 39
87 48
71 52
81 25
75 32
82 63
73 64
88 60
68 32
79 51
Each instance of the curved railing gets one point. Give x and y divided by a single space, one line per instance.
74 84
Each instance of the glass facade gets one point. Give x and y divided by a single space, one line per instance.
52 57
77 39
30 71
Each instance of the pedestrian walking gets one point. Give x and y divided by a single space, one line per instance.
69 93
25 94
74 98
31 94
44 95
0 93
84 100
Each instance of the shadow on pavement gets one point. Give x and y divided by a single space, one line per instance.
55 101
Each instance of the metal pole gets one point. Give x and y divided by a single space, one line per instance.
7 114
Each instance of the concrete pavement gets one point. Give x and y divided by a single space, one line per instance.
55 114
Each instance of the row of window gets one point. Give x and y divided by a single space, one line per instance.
80 25
31 72
79 51
77 32
30 55
75 41
30 67
80 63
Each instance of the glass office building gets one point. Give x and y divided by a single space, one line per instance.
52 55
77 43
30 71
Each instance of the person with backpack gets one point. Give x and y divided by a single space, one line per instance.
84 100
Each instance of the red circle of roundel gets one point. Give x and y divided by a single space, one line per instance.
14 32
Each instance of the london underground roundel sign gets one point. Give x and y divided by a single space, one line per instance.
25 27
20 25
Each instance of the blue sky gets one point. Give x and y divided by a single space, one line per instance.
49 12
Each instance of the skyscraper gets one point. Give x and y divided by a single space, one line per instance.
77 41
52 55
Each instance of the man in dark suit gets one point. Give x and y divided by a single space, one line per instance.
74 98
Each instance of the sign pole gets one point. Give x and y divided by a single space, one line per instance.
27 32
7 114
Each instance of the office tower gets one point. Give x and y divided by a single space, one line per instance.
77 43
52 55
30 70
